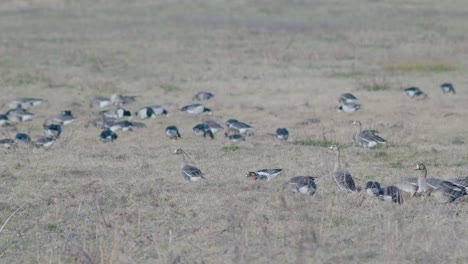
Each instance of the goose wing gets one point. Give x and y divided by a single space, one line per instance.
189 172
451 189
344 180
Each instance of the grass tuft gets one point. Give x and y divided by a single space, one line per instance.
318 143
52 227
374 85
170 88
230 148
420 66
352 74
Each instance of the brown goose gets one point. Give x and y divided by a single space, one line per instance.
341 176
189 172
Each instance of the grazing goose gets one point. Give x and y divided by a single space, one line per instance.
387 194
236 137
415 92
348 107
107 135
189 172
120 125
100 102
65 118
19 115
301 184
151 112
44 142
444 192
4 120
447 88
52 130
265 174
202 130
343 179
120 100
347 98
172 132
367 138
7 143
24 102
22 137
212 125
195 109
203 96
158 110
118 112
237 127
282 134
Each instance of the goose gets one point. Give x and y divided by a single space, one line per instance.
44 142
387 194
100 101
212 125
52 130
118 112
348 107
343 179
203 96
24 102
447 88
158 110
19 115
444 192
415 92
7 143
367 138
301 184
22 137
150 111
202 130
195 109
235 137
347 98
189 172
172 132
120 125
237 127
65 118
120 100
410 185
265 174
282 134
107 135
4 120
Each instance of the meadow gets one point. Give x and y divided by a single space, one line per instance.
269 63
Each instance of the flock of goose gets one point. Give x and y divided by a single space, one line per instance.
112 121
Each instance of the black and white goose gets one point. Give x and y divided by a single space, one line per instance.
447 88
203 130
387 194
265 174
172 132
282 134
120 125
24 102
22 137
7 143
121 100
52 130
237 127
195 109
301 184
236 137
213 126
100 101
44 142
65 118
118 112
415 92
342 177
107 135
19 115
151 112
367 138
189 172
347 98
348 107
4 120
200 96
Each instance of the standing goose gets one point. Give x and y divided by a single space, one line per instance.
265 174
343 179
22 137
52 130
387 194
172 132
348 107
444 192
203 96
202 130
367 138
189 172
301 184
447 88
347 98
65 118
118 112
415 92
195 109
212 125
24 102
237 127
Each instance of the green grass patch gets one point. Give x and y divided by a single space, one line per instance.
318 143
230 148
424 66
52 227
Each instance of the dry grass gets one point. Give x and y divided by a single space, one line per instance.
269 64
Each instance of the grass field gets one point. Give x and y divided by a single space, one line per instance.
269 63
